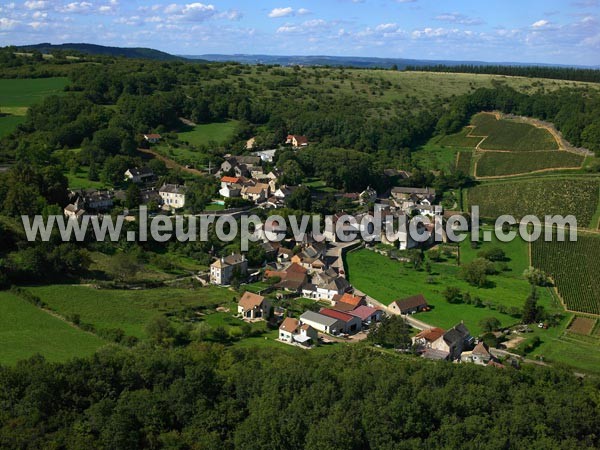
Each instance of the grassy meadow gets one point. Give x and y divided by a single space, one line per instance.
22 92
205 134
26 330
387 280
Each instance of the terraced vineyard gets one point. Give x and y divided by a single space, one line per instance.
574 266
511 135
463 162
496 164
542 196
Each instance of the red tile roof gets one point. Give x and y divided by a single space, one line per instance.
290 325
230 180
352 299
250 300
430 335
295 267
336 314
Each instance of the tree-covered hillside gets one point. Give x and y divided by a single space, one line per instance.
211 398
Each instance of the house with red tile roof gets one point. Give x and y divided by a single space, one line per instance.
351 324
351 299
427 337
253 306
293 331
297 141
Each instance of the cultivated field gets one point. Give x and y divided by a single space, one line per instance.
582 325
510 135
461 139
574 266
463 162
9 123
539 196
26 330
497 164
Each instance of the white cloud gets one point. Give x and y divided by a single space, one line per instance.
36 4
303 12
458 18
281 12
192 12
7 24
540 23
76 7
386 27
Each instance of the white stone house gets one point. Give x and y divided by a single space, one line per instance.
223 269
173 196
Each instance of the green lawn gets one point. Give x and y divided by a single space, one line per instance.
387 280
130 310
80 180
204 134
26 330
27 91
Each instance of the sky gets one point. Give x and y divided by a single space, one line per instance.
535 31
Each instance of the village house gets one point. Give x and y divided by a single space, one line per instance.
417 195
292 331
367 196
284 192
425 338
453 341
253 306
139 175
409 305
153 138
257 193
92 199
173 196
297 141
230 187
351 324
73 211
322 323
266 155
350 299
480 355
239 165
223 269
329 283
367 314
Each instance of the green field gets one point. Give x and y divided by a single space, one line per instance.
387 280
129 310
212 132
80 180
510 135
574 266
496 164
540 197
9 123
26 91
26 330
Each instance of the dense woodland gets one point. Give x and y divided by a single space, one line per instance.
558 73
213 398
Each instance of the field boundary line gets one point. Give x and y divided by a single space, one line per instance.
496 177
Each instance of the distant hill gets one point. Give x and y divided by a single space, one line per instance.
352 61
92 49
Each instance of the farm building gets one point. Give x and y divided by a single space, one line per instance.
409 305
366 314
351 323
322 323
